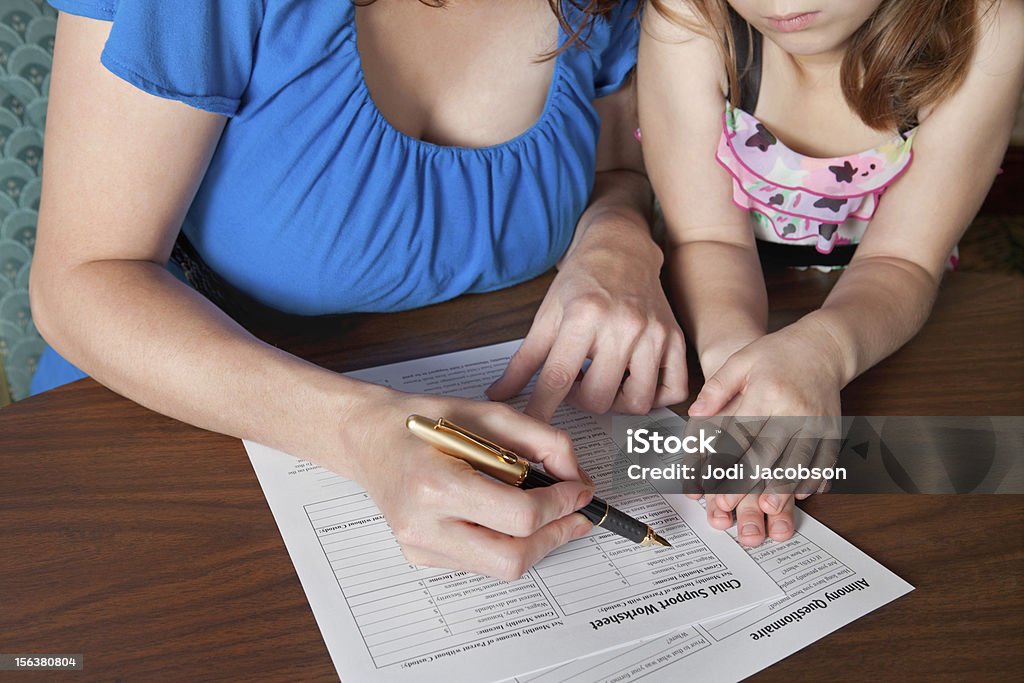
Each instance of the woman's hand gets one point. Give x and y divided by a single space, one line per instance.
786 388
606 304
445 514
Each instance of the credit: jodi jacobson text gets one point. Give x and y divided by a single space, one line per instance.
735 472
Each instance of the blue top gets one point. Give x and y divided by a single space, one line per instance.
313 203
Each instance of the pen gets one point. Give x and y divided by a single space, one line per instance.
506 466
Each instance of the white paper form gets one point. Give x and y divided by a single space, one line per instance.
386 620
828 583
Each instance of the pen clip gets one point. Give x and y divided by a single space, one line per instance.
499 452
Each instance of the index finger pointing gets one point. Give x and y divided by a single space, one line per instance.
563 364
523 364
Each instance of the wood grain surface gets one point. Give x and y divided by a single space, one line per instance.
147 545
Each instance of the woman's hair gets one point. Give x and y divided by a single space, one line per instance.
908 55
577 35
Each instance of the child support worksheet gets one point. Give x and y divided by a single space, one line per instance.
827 582
384 619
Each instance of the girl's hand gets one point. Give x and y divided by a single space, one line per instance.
445 514
606 304
789 383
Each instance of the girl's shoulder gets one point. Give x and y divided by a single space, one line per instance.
1008 10
1002 28
997 62
674 33
1000 31
675 21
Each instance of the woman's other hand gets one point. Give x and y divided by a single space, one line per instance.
607 303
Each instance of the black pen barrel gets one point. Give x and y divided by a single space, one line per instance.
597 510
537 478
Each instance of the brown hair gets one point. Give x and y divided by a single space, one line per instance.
909 54
577 35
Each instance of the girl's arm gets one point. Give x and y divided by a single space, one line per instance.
715 273
712 262
607 302
886 294
121 169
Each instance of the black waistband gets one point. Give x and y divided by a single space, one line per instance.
247 310
775 254
233 301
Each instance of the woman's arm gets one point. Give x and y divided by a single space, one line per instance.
122 167
607 302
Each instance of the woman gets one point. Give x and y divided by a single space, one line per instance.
326 158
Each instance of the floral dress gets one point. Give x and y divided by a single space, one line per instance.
796 199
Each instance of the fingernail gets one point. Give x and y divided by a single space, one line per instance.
750 530
773 501
584 499
584 477
720 514
698 405
780 526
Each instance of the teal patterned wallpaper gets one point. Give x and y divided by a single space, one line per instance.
27 29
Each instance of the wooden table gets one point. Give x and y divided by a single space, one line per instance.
147 545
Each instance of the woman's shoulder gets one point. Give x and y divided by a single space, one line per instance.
93 9
200 53
107 9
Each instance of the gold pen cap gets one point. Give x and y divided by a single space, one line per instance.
481 454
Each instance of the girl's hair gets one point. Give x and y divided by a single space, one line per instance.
577 35
909 54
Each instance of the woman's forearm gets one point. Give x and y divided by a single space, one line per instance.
620 207
720 295
139 331
621 201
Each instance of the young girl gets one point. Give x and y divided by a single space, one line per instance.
795 124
